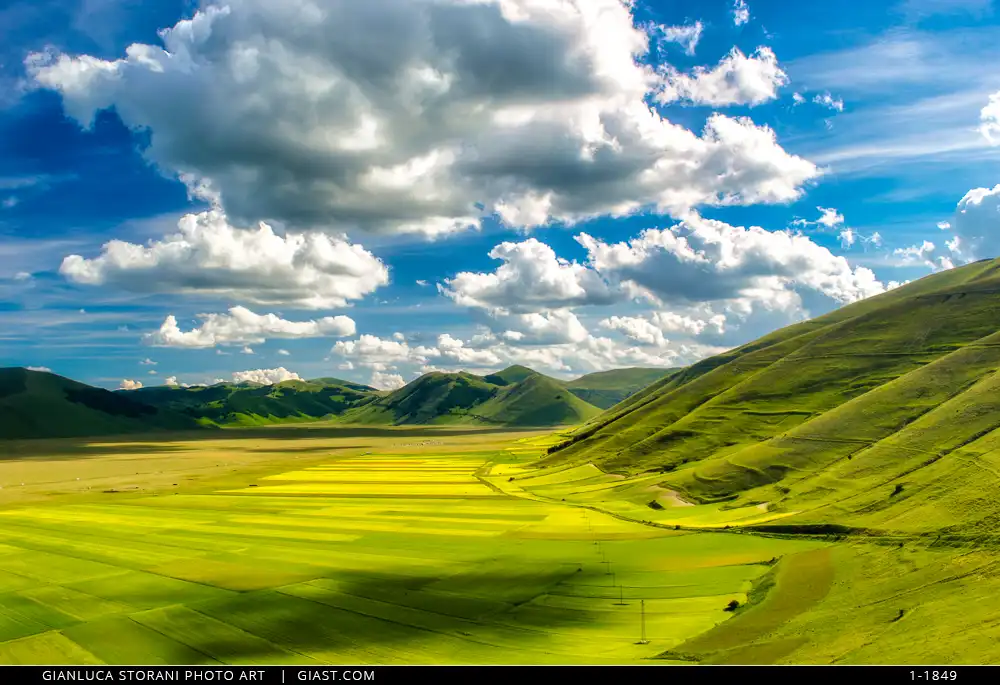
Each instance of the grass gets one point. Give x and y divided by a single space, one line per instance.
879 415
437 567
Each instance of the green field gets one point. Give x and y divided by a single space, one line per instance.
383 547
368 556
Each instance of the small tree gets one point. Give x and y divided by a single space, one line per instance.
732 606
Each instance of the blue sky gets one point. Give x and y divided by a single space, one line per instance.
393 147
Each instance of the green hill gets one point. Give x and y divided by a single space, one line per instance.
536 401
250 404
510 398
510 375
883 413
432 398
35 404
605 389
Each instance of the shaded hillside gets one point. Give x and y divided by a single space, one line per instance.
509 397
249 404
605 389
882 412
36 404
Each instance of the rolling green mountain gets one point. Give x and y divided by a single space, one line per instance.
511 397
605 389
516 396
36 404
250 404
868 415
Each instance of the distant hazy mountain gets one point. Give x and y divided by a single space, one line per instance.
605 389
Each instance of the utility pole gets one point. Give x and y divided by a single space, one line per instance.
621 597
642 605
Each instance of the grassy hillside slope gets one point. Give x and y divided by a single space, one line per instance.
880 415
35 404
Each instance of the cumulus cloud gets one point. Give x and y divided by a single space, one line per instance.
736 80
247 350
171 381
703 260
147 362
976 224
386 381
265 376
370 349
830 218
208 255
990 118
687 36
422 116
43 369
741 12
244 327
532 278
487 351
284 353
129 384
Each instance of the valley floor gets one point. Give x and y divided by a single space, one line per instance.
418 546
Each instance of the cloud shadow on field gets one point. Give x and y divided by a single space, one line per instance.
185 441
377 616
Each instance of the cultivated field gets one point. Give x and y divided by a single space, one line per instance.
359 546
364 549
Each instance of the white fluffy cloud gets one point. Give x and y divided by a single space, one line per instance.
208 255
421 116
652 330
265 376
687 35
741 12
242 327
488 351
990 118
976 223
386 381
147 362
171 381
43 369
736 80
532 278
370 349
702 260
129 384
